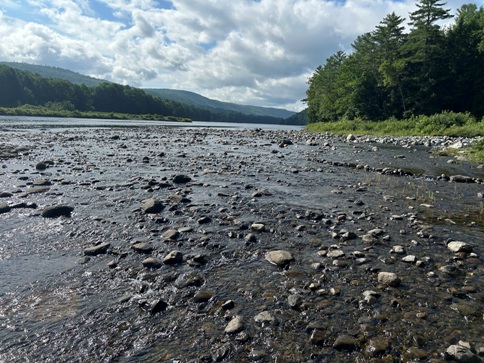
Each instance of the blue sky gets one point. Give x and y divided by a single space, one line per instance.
258 52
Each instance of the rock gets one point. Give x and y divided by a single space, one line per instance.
173 257
461 354
345 342
188 279
181 179
376 346
350 137
5 208
5 195
97 250
461 179
265 317
202 296
389 279
279 258
399 250
258 227
152 206
294 301
335 253
171 234
229 304
204 220
57 211
155 306
152 262
235 325
457 246
409 259
41 166
142 247
318 337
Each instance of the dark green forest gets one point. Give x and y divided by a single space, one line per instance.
396 74
19 88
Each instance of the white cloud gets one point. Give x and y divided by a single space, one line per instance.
246 51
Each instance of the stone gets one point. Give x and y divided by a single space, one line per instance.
399 250
376 346
318 337
456 246
346 342
258 227
389 279
350 137
173 258
279 258
97 250
202 296
294 301
265 317
152 206
57 211
152 262
41 166
142 247
157 306
181 179
409 259
187 280
5 208
235 325
335 253
461 354
171 234
461 179
5 195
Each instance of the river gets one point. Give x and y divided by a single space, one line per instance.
171 285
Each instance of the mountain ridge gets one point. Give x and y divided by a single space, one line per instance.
181 96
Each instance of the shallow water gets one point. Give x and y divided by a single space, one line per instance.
53 309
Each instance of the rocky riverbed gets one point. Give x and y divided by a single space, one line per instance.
205 245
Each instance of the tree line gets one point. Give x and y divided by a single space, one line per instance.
19 88
396 74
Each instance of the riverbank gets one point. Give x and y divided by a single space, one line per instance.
158 244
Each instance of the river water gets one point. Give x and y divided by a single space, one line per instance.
314 194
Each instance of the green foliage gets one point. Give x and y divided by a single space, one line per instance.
445 123
393 74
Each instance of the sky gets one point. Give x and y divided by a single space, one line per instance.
257 52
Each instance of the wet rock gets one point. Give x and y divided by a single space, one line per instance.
409 259
57 211
204 220
389 279
171 234
294 301
173 258
235 325
152 206
142 247
229 304
152 262
461 354
461 179
376 346
346 342
181 179
155 306
97 250
415 354
5 195
41 166
188 279
279 258
258 227
4 208
202 296
457 246
318 337
265 317
335 253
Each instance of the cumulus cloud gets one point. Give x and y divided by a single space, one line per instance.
254 52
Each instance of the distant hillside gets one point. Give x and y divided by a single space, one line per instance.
300 118
194 99
189 104
55 72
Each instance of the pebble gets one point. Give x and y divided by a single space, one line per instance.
389 279
279 257
346 342
5 208
57 211
152 262
152 206
235 325
173 258
142 247
457 246
265 317
97 250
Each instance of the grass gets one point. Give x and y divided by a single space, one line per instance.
443 124
42 111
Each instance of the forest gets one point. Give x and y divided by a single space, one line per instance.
396 74
26 93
